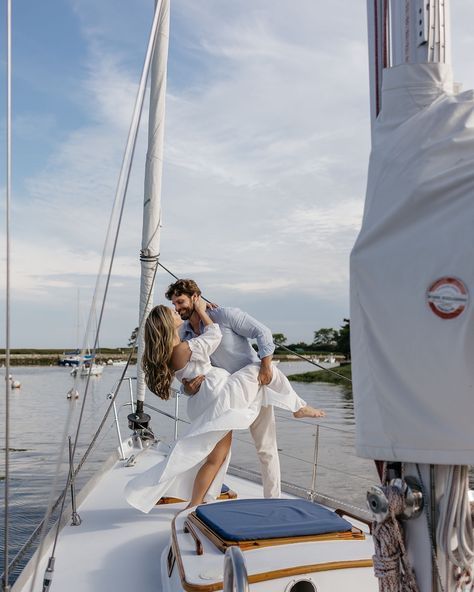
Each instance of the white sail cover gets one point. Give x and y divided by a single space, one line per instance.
412 275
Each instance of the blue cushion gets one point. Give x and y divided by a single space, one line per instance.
255 519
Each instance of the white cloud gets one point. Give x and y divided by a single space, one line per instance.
267 143
250 153
259 287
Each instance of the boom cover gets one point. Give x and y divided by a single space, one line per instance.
412 275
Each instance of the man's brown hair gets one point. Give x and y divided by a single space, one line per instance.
186 287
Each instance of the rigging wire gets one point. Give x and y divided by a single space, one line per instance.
21 553
280 452
124 177
311 424
279 345
321 497
39 528
316 364
50 507
62 496
6 585
120 198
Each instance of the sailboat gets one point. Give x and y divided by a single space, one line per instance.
175 548
111 546
88 368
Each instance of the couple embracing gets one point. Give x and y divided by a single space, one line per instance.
230 387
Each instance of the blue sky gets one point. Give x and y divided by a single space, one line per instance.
266 150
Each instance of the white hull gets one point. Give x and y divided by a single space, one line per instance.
95 370
118 548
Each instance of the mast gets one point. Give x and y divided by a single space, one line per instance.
411 313
408 32
150 249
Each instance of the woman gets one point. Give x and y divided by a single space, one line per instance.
225 402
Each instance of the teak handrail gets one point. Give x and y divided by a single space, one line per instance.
189 528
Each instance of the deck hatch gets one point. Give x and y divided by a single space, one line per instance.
254 519
262 522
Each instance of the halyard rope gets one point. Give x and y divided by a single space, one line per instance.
455 535
429 524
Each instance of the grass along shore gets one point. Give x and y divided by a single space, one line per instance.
343 372
50 357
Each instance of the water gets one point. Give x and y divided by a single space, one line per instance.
40 409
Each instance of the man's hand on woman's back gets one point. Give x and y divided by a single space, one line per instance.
191 387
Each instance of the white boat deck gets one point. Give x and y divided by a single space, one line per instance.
118 548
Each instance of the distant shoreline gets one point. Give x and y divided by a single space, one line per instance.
50 357
31 357
336 376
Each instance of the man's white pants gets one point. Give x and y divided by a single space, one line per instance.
263 432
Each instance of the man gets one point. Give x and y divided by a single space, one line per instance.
233 353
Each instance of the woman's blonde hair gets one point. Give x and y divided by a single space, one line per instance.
159 336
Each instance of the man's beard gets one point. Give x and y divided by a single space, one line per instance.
186 314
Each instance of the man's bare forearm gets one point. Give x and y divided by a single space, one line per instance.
265 372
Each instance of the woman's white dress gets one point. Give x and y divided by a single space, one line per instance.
223 403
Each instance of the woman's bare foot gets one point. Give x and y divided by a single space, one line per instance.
308 411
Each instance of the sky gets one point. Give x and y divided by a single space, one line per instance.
267 141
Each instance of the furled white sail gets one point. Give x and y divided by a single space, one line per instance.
153 174
412 275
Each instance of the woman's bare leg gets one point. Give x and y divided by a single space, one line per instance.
209 470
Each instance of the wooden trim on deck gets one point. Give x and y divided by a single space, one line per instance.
266 575
189 528
177 500
340 512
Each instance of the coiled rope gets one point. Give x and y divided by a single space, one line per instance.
391 565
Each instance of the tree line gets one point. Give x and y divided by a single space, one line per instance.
325 340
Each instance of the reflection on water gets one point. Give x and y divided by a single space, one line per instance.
40 409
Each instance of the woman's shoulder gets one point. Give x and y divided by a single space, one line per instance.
181 355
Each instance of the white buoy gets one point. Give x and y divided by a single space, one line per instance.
14 383
73 394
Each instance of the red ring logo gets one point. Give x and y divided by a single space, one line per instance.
447 297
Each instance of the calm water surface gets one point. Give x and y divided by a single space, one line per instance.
39 411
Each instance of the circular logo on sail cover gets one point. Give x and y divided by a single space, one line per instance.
447 297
